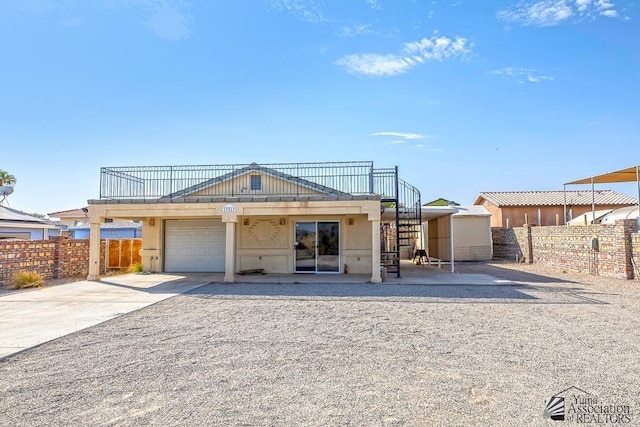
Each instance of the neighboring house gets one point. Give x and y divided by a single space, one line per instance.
441 202
18 225
113 230
281 218
515 208
72 217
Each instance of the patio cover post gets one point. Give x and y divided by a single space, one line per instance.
638 182
593 202
451 245
564 193
375 251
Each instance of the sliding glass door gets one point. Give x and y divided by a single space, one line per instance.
317 247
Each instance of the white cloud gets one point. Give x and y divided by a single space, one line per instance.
356 30
544 13
374 4
522 75
583 5
402 135
305 10
415 53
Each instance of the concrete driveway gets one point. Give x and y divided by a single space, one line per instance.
35 316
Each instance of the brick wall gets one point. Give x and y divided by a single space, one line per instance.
509 243
617 247
55 258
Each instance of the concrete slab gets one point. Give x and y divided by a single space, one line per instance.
32 317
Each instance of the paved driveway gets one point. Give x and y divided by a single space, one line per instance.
337 354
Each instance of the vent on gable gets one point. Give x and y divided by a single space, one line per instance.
256 182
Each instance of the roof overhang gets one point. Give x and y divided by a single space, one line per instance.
623 175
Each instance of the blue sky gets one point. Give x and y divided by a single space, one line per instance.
464 95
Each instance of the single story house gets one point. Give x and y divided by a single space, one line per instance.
15 224
110 230
515 208
313 218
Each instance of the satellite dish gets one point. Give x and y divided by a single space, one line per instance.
5 190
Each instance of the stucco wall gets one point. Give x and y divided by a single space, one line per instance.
549 215
472 238
31 233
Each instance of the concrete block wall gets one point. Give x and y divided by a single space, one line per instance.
509 243
56 258
616 247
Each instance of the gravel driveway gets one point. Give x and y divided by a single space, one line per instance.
387 355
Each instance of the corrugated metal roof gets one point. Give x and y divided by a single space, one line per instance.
9 214
68 213
554 198
473 210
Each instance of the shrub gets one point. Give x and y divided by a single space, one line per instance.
137 267
27 279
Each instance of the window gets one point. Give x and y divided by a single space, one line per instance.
108 220
256 182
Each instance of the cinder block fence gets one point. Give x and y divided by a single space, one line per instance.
56 258
603 250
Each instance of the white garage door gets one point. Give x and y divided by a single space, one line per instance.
194 245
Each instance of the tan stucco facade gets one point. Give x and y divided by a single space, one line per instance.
259 234
517 216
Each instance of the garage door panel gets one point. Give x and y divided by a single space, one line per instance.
194 245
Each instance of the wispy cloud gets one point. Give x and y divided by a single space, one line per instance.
356 30
374 4
522 75
436 48
305 10
545 13
408 140
404 135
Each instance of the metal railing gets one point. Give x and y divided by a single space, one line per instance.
281 179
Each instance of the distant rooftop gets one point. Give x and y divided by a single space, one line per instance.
554 198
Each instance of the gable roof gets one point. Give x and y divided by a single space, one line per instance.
440 202
554 198
17 218
254 167
70 213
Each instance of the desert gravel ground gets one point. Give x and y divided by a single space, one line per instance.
342 354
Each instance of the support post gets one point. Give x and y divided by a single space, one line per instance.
94 251
230 252
375 252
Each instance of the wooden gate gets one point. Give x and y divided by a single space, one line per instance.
123 253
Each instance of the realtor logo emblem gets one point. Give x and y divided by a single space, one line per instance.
554 408
574 405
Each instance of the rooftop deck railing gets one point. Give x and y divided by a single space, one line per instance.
281 179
